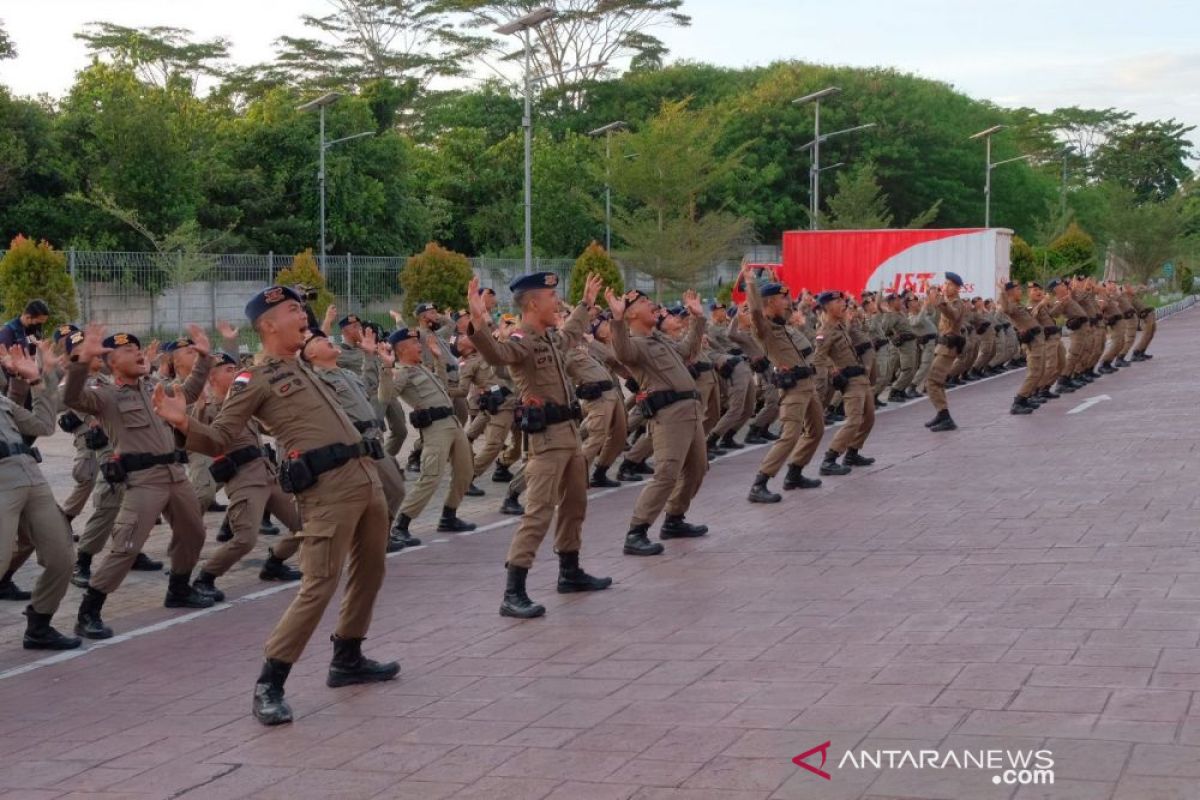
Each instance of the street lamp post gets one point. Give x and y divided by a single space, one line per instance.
607 131
319 105
814 170
986 135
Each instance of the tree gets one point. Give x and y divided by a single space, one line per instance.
1144 236
304 272
157 54
595 259
660 174
861 204
586 34
1148 158
435 275
406 43
1076 250
7 48
1021 261
36 270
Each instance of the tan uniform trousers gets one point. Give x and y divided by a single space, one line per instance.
769 412
106 504
341 521
48 532
202 480
604 425
710 399
680 461
246 506
556 479
885 368
442 442
905 365
643 448
987 350
392 478
1035 359
495 431
935 384
83 471
923 365
1053 360
966 359
1149 326
397 428
741 401
860 416
800 436
477 424
1131 326
1097 350
22 550
1116 340
1076 347
140 507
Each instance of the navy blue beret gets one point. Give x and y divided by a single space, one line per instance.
64 330
120 340
222 358
402 335
268 298
954 278
825 298
348 320
423 307
73 340
1011 285
1053 283
175 344
536 280
772 289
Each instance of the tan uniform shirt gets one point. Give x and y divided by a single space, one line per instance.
16 422
836 343
1022 319
659 364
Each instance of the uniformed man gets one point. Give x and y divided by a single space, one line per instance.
26 328
250 483
923 322
738 380
25 496
147 461
1029 334
789 352
899 333
1147 315
1129 314
601 406
1052 346
336 484
669 398
548 416
180 357
1075 319
951 310
848 374
604 417
442 437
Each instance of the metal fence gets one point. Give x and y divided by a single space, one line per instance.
159 294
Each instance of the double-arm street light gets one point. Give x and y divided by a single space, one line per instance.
814 169
607 131
319 105
986 135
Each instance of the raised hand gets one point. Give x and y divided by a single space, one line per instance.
475 302
93 342
616 304
199 339
591 288
226 329
50 359
386 354
172 406
691 301
21 364
368 342
330 318
152 352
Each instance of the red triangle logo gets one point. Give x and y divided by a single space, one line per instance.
822 749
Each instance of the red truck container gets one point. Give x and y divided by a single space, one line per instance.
893 260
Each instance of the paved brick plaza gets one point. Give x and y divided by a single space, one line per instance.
1023 583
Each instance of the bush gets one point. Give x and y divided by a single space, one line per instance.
304 270
36 270
1075 250
1021 263
595 259
435 275
1187 280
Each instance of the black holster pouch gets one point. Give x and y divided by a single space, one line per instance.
69 422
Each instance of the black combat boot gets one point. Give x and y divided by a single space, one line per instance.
399 537
879 403
268 528
1020 406
795 479
839 413
713 449
1106 368
274 569
768 435
516 602
501 474
628 471
83 570
89 624
1046 394
830 465
217 507
571 578
897 396
225 533
414 461
643 468
512 505
180 593
39 635
1137 356
600 479
759 493
638 544
350 666
269 706
911 393
473 490
943 422
674 527
1120 361
450 523
144 563
854 459
754 435
729 443
1064 386
206 584
10 591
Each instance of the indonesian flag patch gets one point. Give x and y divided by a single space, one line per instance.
240 382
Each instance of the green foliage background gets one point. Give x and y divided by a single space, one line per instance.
36 270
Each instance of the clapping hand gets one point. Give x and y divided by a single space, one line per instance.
691 301
171 406
199 340
616 304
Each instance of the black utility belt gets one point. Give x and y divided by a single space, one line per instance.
1029 335
788 378
537 418
904 337
926 338
736 351
879 344
1114 319
424 417
1051 330
699 367
118 468
760 364
69 422
982 327
953 341
1145 312
862 347
493 399
1096 320
653 402
727 368
10 449
366 425
1129 314
842 379
301 470
593 391
1075 323
224 467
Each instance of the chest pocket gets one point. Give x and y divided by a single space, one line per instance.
662 358
290 387
133 412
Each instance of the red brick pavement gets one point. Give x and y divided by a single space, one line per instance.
1025 582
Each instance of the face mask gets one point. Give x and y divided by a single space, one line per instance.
33 330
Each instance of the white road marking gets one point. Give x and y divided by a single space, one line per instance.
1086 404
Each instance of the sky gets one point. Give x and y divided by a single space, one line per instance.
1139 56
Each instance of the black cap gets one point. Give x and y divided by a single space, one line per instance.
535 280
120 340
268 298
402 335
64 330
348 320
954 278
